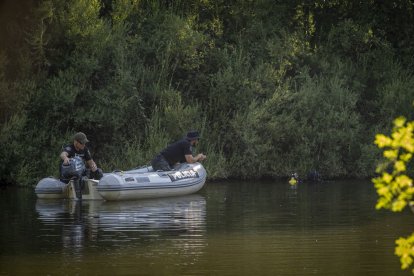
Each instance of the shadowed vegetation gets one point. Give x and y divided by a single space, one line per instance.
273 86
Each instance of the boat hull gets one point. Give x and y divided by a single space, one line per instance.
140 184
51 188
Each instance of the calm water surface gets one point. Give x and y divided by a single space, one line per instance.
251 228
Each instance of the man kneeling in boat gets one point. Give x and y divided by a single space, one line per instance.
178 152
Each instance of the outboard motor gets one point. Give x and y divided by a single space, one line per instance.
74 170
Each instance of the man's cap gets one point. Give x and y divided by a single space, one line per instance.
193 135
81 138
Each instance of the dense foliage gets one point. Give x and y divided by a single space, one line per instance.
395 184
273 86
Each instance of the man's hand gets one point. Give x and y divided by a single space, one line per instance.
201 157
66 161
92 165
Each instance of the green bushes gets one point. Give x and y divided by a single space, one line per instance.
273 87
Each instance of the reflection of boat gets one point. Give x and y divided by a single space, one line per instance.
183 214
52 210
175 214
124 230
134 184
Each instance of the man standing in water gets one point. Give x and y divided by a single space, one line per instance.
178 152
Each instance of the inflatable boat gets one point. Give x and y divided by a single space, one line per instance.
147 183
129 185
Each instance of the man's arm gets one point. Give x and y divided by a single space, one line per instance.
92 165
64 157
191 159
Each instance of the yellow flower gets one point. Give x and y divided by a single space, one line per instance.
382 141
399 122
399 166
391 154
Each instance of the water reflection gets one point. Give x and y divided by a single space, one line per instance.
232 229
117 224
170 215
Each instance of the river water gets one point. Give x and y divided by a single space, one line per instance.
238 228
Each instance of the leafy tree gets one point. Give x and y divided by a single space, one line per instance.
395 185
306 82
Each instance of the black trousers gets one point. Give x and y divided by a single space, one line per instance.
159 163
